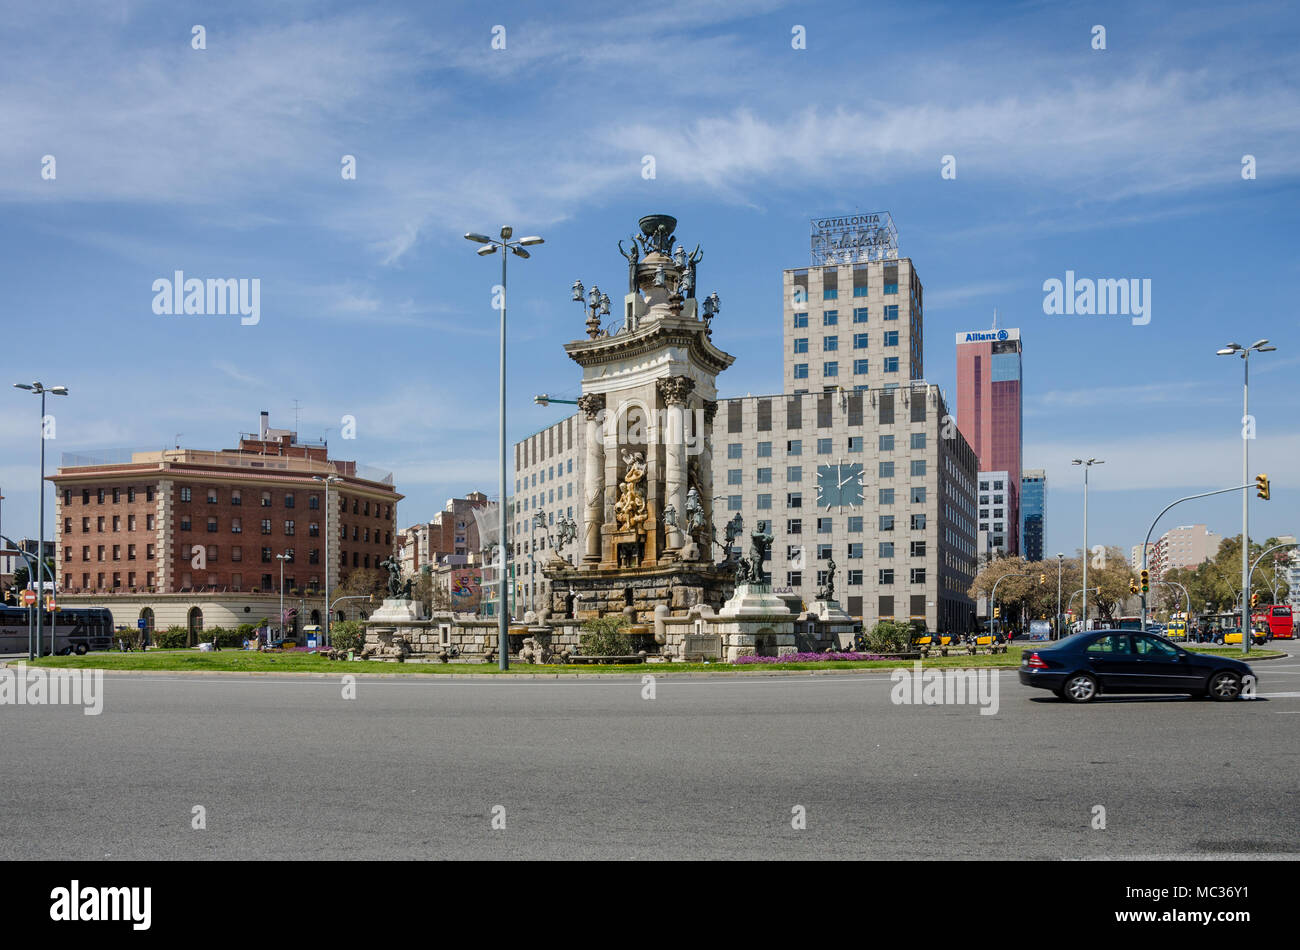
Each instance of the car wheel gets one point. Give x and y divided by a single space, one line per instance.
1080 688
1218 641
1225 686
81 649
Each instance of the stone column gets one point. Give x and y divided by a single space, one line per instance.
593 489
710 408
675 393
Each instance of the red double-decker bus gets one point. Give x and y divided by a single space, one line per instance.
1278 619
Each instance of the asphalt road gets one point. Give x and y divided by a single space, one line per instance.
413 767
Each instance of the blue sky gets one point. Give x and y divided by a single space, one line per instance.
225 162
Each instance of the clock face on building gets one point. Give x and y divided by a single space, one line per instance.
839 485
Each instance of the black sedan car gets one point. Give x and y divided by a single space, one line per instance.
1080 667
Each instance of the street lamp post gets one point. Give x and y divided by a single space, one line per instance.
1060 561
1086 465
40 390
491 246
282 558
993 597
538 521
1236 349
329 560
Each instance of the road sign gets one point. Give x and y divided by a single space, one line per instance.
49 602
142 623
29 598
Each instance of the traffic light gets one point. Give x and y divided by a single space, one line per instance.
1042 578
1261 487
1132 588
1254 599
997 612
1146 580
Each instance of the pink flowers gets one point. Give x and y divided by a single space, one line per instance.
807 658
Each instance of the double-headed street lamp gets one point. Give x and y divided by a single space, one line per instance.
1086 465
328 480
1236 349
282 558
42 569
491 246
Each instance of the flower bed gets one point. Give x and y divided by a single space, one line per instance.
807 658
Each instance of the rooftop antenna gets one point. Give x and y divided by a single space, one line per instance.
995 318
178 439
297 414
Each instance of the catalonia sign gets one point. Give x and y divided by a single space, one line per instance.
854 238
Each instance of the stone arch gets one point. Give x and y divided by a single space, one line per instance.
146 614
194 624
765 642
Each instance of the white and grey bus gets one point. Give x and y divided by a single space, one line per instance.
74 630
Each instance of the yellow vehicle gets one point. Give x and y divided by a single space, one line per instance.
1177 630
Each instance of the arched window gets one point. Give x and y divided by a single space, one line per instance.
195 624
146 614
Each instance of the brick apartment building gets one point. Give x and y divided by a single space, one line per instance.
188 522
450 537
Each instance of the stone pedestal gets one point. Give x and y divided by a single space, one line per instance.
755 622
396 610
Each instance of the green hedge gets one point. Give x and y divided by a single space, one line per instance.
173 638
348 635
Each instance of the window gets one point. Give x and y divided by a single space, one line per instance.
830 318
891 312
794 473
266 499
130 494
800 370
918 494
266 526
148 493
855 523
860 341
918 467
117 522
313 502
313 530
117 552
734 450
830 293
824 525
99 495
800 320
212 496
734 502
918 440
855 551
801 345
891 338
917 575
764 501
288 500
794 447
855 578
886 549
831 368
830 343
764 476
886 443
860 313
824 446
236 553
185 522
886 470
1114 644
236 498
918 549
212 526
735 476
860 366
886 496
823 554
130 522
794 526
892 288
764 450
186 494
794 500
886 576
288 527
794 578
85 496
266 555
85 524
886 522
117 495
918 523
891 364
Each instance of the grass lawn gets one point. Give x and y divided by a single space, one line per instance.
241 661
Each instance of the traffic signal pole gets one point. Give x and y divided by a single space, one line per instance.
1146 574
